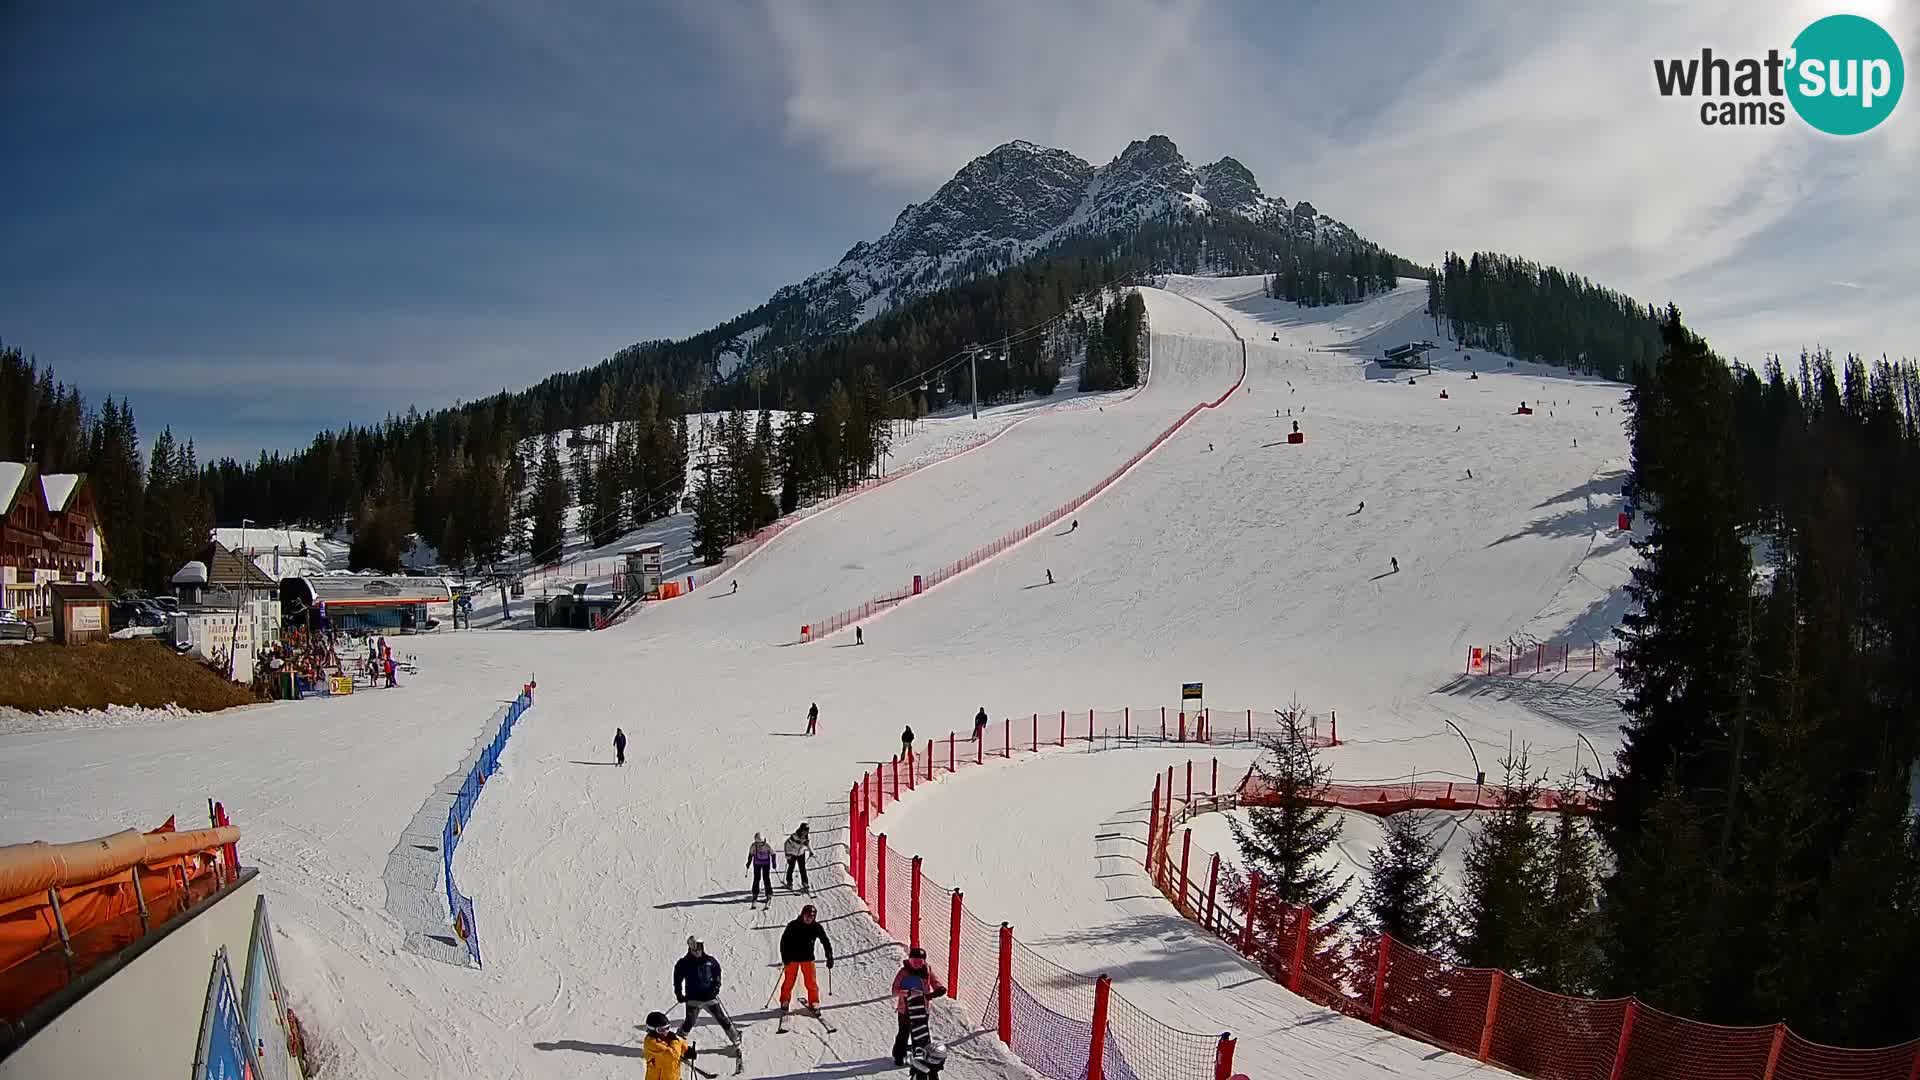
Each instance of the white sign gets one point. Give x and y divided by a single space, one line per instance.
84 618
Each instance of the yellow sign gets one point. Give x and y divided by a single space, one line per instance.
340 684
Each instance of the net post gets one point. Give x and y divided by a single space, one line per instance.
1380 981
1773 1051
853 841
1097 1045
1213 884
1297 978
1153 823
913 907
1223 1057
1626 1039
1186 851
953 946
1493 1015
1006 984
881 862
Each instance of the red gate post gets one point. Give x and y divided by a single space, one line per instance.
1186 850
1216 778
1380 981
1153 824
1163 723
1182 731
1006 984
1213 883
1097 1045
929 759
910 769
1223 1058
1249 725
881 863
1773 1052
1334 721
980 747
879 789
1493 1013
1063 727
1126 721
953 948
1626 1039
1253 908
896 778
1036 733
1089 727
1296 979
1169 796
1189 807
913 907
949 753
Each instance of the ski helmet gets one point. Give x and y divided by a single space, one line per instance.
656 1023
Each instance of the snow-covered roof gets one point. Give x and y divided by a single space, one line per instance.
193 573
59 487
11 473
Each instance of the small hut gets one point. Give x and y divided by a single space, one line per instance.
80 612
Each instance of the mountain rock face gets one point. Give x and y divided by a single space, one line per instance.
1009 205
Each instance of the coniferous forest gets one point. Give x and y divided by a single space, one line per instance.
1542 313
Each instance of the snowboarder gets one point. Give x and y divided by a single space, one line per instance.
859 638
664 1049
1396 563
1049 577
914 974
696 984
619 747
980 724
760 864
813 717
797 848
906 741
796 959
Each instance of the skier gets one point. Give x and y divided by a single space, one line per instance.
1049 577
1209 448
736 588
1363 505
906 741
924 1058
797 848
664 1049
1396 563
1075 525
915 971
859 638
619 747
796 959
980 724
1469 474
696 984
760 863
813 717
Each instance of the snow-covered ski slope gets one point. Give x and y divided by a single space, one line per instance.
1237 566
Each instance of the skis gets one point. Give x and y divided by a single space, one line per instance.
815 1013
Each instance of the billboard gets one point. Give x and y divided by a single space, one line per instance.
262 1000
225 1052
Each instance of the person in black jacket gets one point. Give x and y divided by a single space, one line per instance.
980 723
696 984
619 747
906 742
796 956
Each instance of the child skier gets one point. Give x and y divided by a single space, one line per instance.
664 1049
924 1057
798 847
760 864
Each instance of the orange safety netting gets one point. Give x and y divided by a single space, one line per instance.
1482 1013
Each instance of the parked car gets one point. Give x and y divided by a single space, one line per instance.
15 628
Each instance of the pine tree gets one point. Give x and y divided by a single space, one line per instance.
606 513
1506 881
1287 840
1665 952
1402 895
548 513
1566 949
710 536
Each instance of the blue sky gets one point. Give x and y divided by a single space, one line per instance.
260 221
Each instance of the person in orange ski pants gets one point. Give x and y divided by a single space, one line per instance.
796 956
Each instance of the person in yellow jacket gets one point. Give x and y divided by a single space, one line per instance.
664 1049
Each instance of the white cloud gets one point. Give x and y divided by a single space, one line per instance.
1476 125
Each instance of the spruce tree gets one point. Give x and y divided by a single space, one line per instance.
1506 883
1402 896
548 512
710 534
1566 948
1287 841
1665 953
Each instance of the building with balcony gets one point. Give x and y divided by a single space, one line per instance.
49 532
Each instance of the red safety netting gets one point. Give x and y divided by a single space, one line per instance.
1478 1012
816 629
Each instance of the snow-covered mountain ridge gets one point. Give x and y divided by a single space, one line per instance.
1008 205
